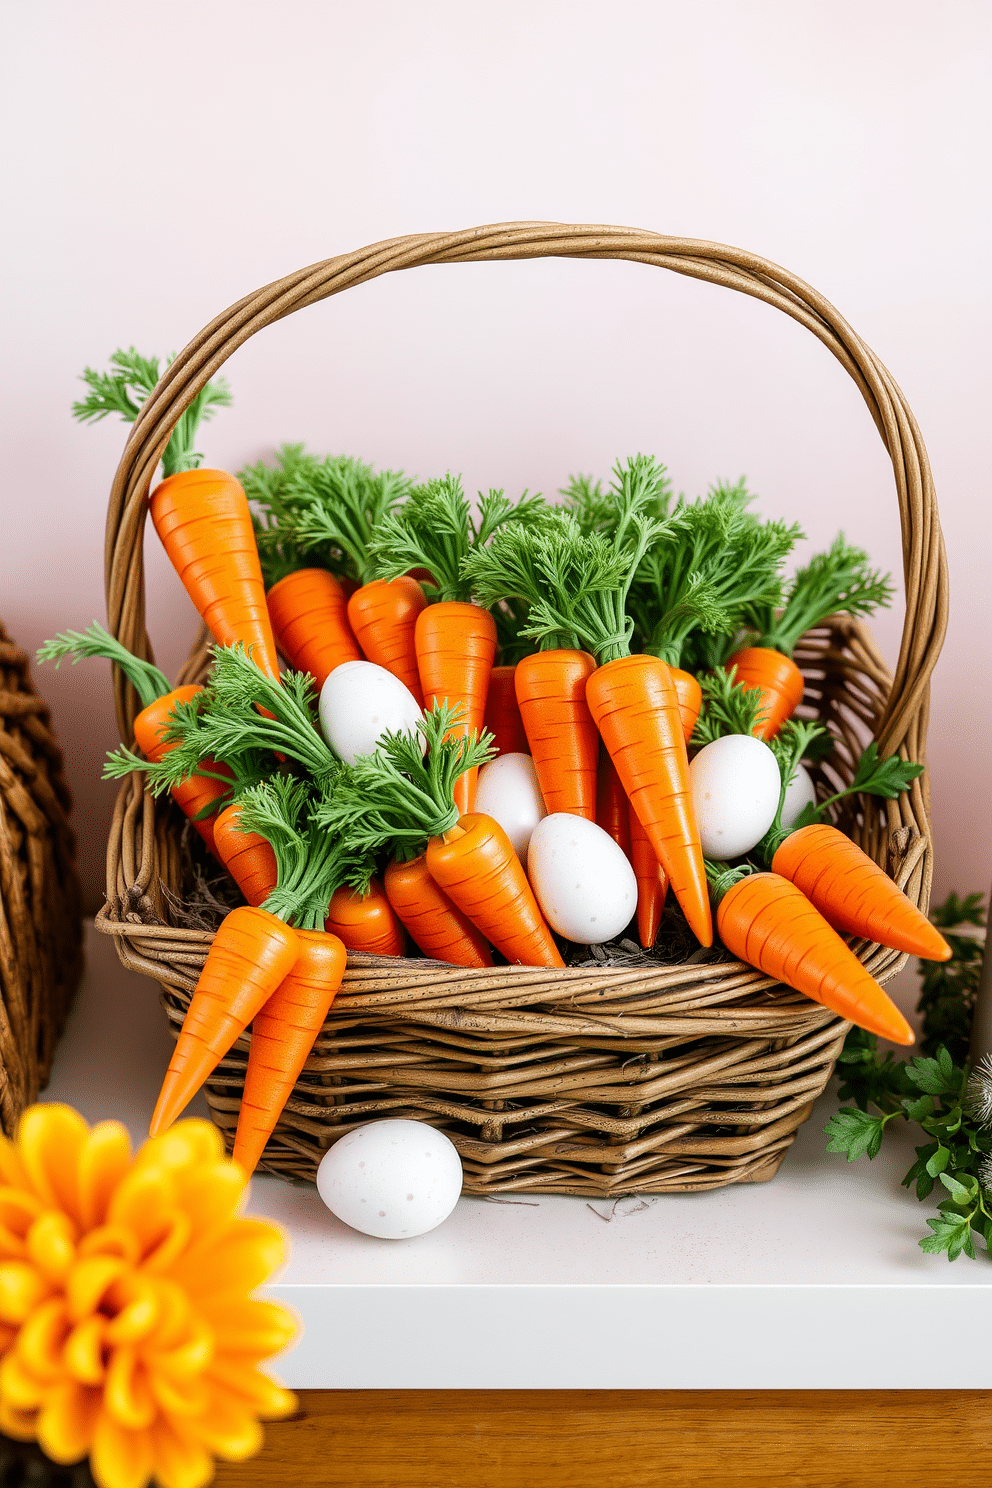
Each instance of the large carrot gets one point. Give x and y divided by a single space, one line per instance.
455 639
837 581
203 520
365 922
383 615
247 856
309 614
652 883
199 793
476 866
249 956
282 1035
502 716
564 742
853 893
768 922
396 799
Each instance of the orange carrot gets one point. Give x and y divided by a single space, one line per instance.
437 927
502 717
636 711
853 894
203 520
564 742
475 864
247 856
768 922
383 615
652 883
282 1036
456 644
365 922
309 618
612 806
690 696
199 791
781 684
251 953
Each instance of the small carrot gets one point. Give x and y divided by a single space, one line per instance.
309 614
838 581
563 739
247 856
396 798
199 794
475 865
383 615
612 806
652 883
768 922
455 639
365 921
282 1035
502 716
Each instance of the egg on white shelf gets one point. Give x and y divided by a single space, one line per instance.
582 880
508 791
359 702
799 793
393 1179
735 789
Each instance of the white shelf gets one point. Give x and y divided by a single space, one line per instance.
751 1287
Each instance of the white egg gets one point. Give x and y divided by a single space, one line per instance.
799 793
735 790
392 1179
582 879
508 790
359 702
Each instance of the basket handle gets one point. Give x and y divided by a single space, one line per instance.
903 722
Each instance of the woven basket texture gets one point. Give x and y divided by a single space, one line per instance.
618 1076
40 902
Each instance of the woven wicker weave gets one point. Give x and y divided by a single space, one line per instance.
40 914
599 1079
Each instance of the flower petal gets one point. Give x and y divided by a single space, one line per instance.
12 1170
250 1325
22 1289
126 1394
18 1211
52 1245
211 1195
241 1258
89 1280
228 1429
108 1239
103 1162
20 1425
18 1386
49 1141
186 1144
66 1422
179 1462
144 1202
119 1458
188 1397
83 1352
246 1385
42 1339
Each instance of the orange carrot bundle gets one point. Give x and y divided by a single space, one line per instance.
768 922
309 614
431 918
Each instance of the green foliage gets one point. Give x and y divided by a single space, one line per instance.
728 707
838 581
935 1091
128 384
640 479
278 497
949 988
342 503
148 682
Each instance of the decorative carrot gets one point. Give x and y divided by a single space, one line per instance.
838 581
395 798
365 921
769 923
652 883
282 1035
309 614
247 856
581 590
200 792
612 806
254 949
455 639
502 716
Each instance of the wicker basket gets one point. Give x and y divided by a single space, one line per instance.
599 1079
40 903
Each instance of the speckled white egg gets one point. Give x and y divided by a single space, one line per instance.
359 702
799 793
391 1179
582 879
735 790
509 792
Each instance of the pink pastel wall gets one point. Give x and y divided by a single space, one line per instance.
162 159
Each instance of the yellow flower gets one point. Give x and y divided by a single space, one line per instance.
127 1331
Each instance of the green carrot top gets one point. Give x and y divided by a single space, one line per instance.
126 387
275 493
340 504
148 682
728 707
718 560
435 530
641 477
838 580
397 797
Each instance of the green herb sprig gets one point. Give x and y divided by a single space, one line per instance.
837 581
